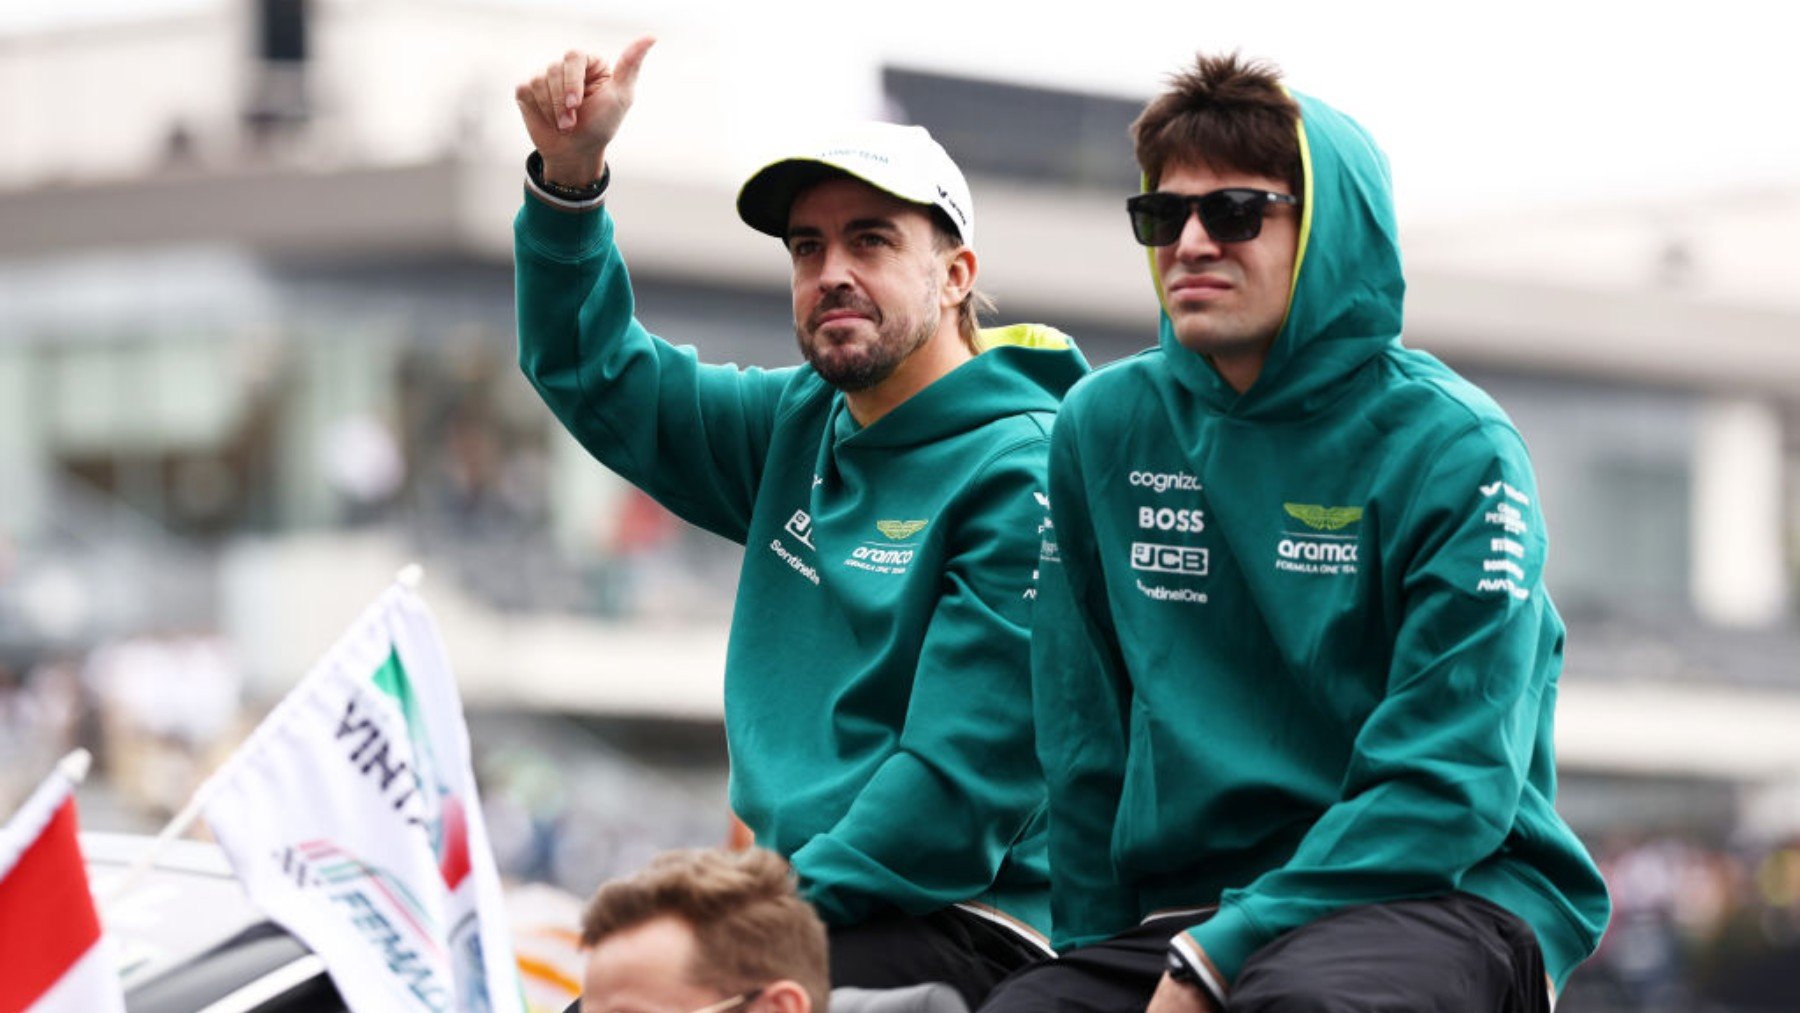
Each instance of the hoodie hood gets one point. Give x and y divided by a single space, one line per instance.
1345 301
1021 369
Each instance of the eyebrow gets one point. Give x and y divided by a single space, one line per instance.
854 225
875 224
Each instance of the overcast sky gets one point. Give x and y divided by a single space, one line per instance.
1480 106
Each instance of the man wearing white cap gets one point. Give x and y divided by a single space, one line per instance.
877 686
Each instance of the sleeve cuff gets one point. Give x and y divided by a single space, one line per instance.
562 232
824 867
1219 946
1185 950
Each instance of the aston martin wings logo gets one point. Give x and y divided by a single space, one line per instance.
1323 518
900 530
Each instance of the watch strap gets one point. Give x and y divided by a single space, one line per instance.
575 198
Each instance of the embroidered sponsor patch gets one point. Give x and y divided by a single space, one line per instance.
900 530
1187 560
1324 518
1324 548
1504 571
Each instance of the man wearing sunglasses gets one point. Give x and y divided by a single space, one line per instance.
1294 663
888 497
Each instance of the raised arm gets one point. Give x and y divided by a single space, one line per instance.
692 435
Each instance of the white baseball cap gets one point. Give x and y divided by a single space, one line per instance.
903 161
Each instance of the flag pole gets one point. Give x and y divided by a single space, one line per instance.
75 766
20 827
176 827
409 577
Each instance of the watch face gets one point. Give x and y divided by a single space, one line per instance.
1179 969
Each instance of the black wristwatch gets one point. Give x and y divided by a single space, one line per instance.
1180 971
534 168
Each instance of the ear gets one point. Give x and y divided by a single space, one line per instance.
959 277
786 996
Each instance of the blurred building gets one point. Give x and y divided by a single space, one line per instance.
256 351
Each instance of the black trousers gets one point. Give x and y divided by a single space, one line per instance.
962 950
1453 953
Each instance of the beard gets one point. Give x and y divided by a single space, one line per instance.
857 365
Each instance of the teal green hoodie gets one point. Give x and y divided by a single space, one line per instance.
1292 651
878 669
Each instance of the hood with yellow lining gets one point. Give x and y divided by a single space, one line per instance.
1345 300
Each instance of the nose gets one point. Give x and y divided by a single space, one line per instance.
834 267
1195 243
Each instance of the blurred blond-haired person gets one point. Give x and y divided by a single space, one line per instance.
704 931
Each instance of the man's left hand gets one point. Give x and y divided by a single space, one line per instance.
1176 997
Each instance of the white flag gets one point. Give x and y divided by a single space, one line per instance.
350 816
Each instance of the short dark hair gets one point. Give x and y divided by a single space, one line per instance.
750 926
1226 112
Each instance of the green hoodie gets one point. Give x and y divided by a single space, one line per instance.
879 653
1292 652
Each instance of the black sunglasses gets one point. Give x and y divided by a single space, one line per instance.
1231 215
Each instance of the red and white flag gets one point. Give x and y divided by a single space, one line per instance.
50 939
